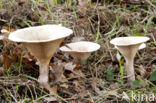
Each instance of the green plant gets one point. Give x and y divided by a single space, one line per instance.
90 3
98 34
110 73
135 83
149 21
118 56
70 2
1 5
49 10
153 76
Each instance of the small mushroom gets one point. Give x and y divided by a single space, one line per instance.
81 50
41 42
128 47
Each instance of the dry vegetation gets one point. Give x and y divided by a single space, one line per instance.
96 81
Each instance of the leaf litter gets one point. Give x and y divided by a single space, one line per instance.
74 82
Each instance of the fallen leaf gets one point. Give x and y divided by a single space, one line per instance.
7 60
1 59
114 85
82 20
58 70
70 66
64 85
2 70
148 71
70 75
76 85
8 29
153 67
28 56
82 6
141 70
82 93
96 89
52 90
78 73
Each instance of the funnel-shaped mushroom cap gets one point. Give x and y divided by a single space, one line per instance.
128 46
81 49
41 41
38 34
125 41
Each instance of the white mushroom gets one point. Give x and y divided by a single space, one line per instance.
41 42
128 47
81 50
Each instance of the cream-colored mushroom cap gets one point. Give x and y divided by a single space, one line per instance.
82 47
38 34
42 42
125 41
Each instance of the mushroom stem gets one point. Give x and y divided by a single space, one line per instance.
44 72
130 70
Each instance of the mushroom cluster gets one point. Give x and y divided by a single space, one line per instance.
43 41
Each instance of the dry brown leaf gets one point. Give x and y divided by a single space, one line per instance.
58 70
82 93
51 76
76 85
78 73
2 70
73 101
149 70
5 32
142 70
114 85
28 56
70 66
94 86
83 4
64 85
1 59
52 90
96 89
153 67
70 75
7 28
7 60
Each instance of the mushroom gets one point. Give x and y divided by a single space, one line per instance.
81 50
41 42
128 47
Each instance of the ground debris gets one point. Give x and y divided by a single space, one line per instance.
98 21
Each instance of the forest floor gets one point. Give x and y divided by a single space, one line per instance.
99 79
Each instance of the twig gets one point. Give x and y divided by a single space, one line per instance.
149 2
